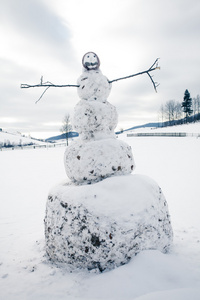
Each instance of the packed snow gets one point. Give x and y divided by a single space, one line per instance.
93 86
27 176
99 227
95 120
97 154
12 138
94 160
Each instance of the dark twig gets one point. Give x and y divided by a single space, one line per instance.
155 63
42 94
155 84
152 68
47 85
26 86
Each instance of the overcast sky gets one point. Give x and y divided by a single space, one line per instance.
49 37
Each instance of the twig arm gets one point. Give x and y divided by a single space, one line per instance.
26 86
47 85
152 68
140 73
42 94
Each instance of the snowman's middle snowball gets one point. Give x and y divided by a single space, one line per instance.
95 160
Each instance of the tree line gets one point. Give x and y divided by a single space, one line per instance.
175 112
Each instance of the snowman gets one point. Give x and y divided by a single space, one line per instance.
100 220
97 154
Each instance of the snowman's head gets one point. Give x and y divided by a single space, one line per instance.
90 61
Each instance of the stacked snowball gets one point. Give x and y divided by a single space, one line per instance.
97 154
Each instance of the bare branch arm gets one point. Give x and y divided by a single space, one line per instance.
152 68
47 85
155 64
140 73
42 94
155 84
26 86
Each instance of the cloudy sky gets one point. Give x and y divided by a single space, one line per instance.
49 37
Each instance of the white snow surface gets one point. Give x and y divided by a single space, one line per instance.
94 160
95 120
26 178
97 153
93 86
16 139
100 227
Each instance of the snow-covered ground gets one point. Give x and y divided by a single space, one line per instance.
16 139
27 176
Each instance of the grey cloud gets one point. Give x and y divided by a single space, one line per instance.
38 24
35 19
150 29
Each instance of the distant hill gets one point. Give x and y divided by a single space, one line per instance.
71 134
189 128
12 138
75 134
142 126
145 125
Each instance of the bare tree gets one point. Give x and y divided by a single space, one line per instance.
198 104
169 110
66 127
196 107
178 110
161 113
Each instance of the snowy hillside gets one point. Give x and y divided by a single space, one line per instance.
16 139
27 176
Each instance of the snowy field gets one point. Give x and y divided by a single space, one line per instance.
16 139
27 176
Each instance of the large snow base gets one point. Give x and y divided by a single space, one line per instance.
103 225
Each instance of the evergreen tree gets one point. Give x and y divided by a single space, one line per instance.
187 104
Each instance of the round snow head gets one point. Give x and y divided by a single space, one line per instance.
90 61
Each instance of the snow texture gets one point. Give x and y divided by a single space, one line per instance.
14 138
97 154
103 225
81 234
93 86
95 120
26 177
96 160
